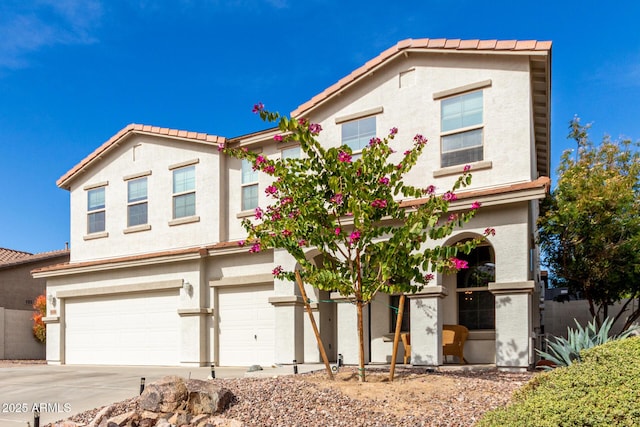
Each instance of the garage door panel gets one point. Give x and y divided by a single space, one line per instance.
123 329
246 322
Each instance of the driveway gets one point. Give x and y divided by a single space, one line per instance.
62 391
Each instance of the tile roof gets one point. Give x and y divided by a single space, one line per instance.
28 258
9 255
131 129
442 45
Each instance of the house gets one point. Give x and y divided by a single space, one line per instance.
18 291
156 276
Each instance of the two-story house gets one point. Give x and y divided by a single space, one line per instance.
156 275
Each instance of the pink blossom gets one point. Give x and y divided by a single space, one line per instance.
258 108
453 217
241 242
406 153
302 121
374 141
302 242
393 131
359 172
315 128
475 205
271 189
286 200
379 203
459 264
255 248
220 146
354 237
449 196
399 166
467 168
277 138
428 277
259 160
337 199
344 157
419 139
275 216
337 231
384 180
490 231
258 213
430 189
269 169
277 271
286 232
349 214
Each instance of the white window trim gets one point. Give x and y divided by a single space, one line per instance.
181 193
460 90
453 93
101 233
244 185
137 202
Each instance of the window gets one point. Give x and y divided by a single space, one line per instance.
184 192
357 133
476 305
291 152
95 210
137 202
394 302
461 127
249 186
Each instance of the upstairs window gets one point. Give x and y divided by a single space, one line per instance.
462 129
249 186
357 133
291 152
137 210
96 210
184 192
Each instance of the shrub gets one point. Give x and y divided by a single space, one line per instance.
39 328
565 351
601 391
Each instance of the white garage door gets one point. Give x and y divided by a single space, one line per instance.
246 326
138 329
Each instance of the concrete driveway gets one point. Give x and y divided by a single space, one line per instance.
62 391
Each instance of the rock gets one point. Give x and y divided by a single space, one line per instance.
207 398
180 418
101 416
254 368
164 395
124 420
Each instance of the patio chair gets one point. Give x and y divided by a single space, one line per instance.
453 339
406 342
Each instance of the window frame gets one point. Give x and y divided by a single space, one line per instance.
356 153
254 183
480 291
179 195
394 306
138 201
462 130
97 210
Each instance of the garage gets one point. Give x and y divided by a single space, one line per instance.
123 329
245 325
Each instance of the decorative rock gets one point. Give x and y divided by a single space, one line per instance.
207 398
165 395
180 418
101 416
126 419
254 368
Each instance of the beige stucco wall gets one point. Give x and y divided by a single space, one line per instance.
156 155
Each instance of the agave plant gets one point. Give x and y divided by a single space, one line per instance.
565 351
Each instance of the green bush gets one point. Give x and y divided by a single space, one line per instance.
603 390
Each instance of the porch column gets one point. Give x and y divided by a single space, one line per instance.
514 328
426 326
289 330
54 322
348 344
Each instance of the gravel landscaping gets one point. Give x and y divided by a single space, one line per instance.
415 398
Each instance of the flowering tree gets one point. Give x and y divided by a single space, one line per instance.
39 328
351 211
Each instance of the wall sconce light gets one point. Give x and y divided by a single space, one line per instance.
51 300
187 287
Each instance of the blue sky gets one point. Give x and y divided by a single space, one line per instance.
74 72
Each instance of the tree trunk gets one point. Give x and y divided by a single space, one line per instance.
361 375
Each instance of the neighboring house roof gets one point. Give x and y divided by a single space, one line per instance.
10 255
540 63
524 189
126 132
29 258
